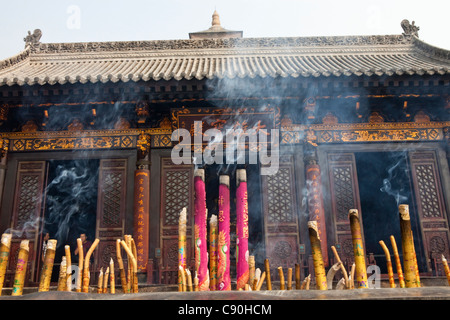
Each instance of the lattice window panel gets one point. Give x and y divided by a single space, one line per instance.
176 195
343 188
112 199
28 196
427 191
279 193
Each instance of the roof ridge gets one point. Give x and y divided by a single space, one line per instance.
15 59
430 50
216 43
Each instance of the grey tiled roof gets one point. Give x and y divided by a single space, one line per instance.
50 63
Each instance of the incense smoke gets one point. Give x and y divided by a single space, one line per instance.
393 172
69 200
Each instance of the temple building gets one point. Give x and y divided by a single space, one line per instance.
363 121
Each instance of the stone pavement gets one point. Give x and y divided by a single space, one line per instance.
425 293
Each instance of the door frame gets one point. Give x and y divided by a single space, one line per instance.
10 185
442 171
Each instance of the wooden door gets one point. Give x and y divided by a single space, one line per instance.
280 216
430 205
27 212
111 206
344 196
176 193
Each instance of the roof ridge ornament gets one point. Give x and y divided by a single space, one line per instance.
33 40
410 29
215 19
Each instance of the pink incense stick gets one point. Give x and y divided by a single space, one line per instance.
242 270
200 233
223 267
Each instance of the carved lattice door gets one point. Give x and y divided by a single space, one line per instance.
430 205
176 193
110 209
280 215
344 196
27 211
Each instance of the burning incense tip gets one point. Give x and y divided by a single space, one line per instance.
24 244
223 179
353 212
183 214
6 239
200 173
241 176
404 211
313 225
51 244
189 280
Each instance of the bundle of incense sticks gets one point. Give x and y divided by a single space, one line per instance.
112 279
49 259
68 268
267 274
133 279
21 268
62 275
182 221
5 247
80 265
316 249
105 280
398 263
223 268
409 255
342 267
446 268
100 282
281 275
242 268
358 249
86 275
388 264
213 252
123 279
201 250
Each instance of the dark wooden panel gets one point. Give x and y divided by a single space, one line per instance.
27 210
344 196
176 193
430 204
111 207
280 216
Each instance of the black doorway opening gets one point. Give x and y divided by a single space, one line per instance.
70 204
384 183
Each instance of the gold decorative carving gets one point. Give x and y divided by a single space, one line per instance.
30 126
4 108
375 117
165 124
364 132
329 119
286 121
83 140
144 144
421 117
122 124
4 146
76 125
142 111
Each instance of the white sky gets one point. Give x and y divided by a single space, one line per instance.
113 20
